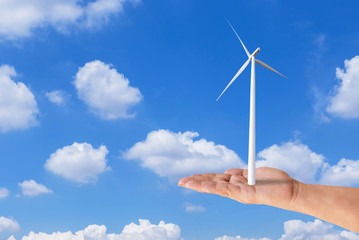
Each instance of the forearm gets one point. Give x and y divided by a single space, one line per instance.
338 205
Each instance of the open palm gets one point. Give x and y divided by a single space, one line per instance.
273 187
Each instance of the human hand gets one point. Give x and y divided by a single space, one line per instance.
273 187
338 205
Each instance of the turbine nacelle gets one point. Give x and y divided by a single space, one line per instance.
256 52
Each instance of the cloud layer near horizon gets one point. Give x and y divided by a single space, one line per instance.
299 230
145 230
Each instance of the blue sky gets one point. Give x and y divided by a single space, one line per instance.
105 104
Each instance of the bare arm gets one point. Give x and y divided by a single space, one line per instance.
338 205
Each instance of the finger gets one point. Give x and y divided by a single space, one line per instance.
205 177
195 184
231 188
182 181
238 179
237 171
198 177
215 187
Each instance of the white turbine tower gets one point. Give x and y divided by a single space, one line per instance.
252 112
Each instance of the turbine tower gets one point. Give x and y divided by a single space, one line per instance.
252 111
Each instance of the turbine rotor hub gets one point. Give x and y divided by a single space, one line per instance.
256 52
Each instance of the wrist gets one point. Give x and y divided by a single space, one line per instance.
298 196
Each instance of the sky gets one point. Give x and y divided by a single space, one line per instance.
106 104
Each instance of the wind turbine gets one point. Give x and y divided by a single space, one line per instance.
252 111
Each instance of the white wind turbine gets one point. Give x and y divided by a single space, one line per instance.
252 114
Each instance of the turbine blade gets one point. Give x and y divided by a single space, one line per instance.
245 49
268 67
235 76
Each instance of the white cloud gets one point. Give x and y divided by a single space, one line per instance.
320 103
8 224
189 207
344 101
303 164
18 108
99 11
344 173
225 237
32 188
79 162
299 230
58 97
176 155
145 230
293 157
4 193
105 91
20 18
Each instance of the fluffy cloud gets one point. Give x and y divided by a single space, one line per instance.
225 237
189 207
297 229
175 155
293 157
58 97
32 188
344 101
142 231
345 172
4 193
105 91
145 230
18 108
20 18
8 224
78 162
307 166
98 12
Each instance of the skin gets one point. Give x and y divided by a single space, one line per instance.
338 205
